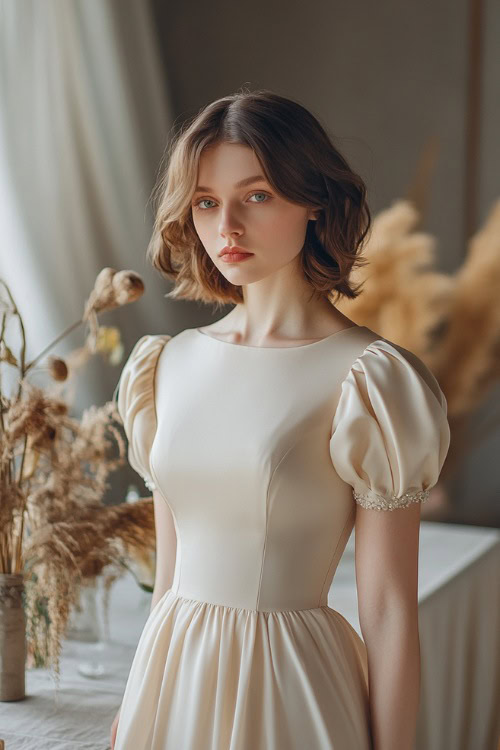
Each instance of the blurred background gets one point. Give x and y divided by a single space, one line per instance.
91 89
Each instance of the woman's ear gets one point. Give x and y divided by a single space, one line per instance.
314 214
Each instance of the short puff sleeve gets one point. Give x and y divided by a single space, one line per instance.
135 398
390 433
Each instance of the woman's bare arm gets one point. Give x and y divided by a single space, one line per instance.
166 547
387 582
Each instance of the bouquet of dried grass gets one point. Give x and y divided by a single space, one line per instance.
54 528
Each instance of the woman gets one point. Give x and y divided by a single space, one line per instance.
265 438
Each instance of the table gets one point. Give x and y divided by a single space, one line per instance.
459 624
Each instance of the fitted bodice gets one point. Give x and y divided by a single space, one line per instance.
262 518
242 453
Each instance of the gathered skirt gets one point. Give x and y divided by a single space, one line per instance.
210 677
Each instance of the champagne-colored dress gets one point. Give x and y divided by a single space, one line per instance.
264 455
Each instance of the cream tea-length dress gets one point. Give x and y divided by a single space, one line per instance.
263 454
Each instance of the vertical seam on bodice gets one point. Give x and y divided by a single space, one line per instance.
267 517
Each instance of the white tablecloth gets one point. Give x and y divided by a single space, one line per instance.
459 623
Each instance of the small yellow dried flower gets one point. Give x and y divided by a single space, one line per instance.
109 343
116 355
107 338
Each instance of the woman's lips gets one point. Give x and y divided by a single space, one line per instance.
232 257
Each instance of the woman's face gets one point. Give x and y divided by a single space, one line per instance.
252 216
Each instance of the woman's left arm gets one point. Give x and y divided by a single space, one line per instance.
390 437
386 554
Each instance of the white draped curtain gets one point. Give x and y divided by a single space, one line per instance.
84 121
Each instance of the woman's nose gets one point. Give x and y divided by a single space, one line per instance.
229 223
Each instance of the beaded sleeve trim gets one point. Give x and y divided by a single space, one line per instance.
150 485
372 500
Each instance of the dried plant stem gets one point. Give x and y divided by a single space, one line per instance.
18 551
2 423
53 343
22 460
3 553
23 337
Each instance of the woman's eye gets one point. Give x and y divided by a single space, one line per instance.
203 200
264 194
209 200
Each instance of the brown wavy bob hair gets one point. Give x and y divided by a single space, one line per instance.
303 166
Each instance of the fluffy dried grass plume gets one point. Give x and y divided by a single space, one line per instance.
99 542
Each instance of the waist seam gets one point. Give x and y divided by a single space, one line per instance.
246 609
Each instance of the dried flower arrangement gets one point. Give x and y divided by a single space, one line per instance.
452 322
54 528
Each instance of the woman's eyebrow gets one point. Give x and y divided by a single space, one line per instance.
241 183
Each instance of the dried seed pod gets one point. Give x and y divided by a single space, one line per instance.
58 368
128 287
113 289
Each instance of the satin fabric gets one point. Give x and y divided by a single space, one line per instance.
258 453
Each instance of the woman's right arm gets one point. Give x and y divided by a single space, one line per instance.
166 551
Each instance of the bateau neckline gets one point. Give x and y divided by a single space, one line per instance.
278 348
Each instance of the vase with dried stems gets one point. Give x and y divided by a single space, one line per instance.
55 532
